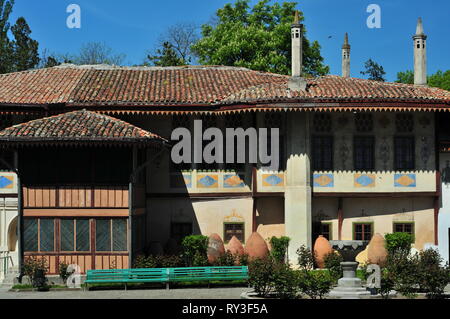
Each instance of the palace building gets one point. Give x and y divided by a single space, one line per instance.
86 175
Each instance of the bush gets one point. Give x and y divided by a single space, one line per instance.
244 260
158 262
36 270
333 264
305 258
285 281
432 277
227 259
315 283
195 249
270 277
279 248
402 270
398 241
261 275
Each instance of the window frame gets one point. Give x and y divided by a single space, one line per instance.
365 168
314 148
38 235
372 230
330 229
111 234
75 237
413 227
225 224
413 165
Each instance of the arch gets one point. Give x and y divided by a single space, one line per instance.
12 235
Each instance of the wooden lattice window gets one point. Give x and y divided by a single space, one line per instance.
363 122
364 157
234 229
404 122
75 235
39 235
322 153
362 231
322 122
404 153
111 235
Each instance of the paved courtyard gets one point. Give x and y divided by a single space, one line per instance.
197 293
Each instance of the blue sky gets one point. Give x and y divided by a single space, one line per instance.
133 27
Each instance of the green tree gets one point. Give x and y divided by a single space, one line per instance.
258 38
26 54
165 56
439 79
6 46
374 71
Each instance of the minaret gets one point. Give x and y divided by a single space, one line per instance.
420 55
346 58
297 82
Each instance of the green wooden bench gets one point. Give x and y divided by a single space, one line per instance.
166 275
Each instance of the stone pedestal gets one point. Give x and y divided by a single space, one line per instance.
349 286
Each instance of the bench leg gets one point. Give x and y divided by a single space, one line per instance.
167 286
125 286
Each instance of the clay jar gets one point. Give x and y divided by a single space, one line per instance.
322 248
256 247
377 253
235 247
215 248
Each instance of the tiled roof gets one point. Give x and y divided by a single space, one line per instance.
199 86
78 126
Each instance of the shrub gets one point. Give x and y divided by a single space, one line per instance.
285 281
386 285
315 283
279 248
36 270
195 249
402 269
244 260
270 277
333 264
432 277
63 273
398 241
261 275
305 258
227 259
158 262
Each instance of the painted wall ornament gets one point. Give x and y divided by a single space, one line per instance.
425 152
344 153
384 152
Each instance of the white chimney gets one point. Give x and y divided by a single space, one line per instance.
296 82
420 55
346 58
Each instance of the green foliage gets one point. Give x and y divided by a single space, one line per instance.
257 38
36 270
333 264
305 258
26 54
158 262
399 241
374 71
6 45
279 247
166 56
402 270
63 273
440 79
269 277
432 277
227 259
243 260
195 249
315 284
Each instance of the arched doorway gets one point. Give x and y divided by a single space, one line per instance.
12 235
